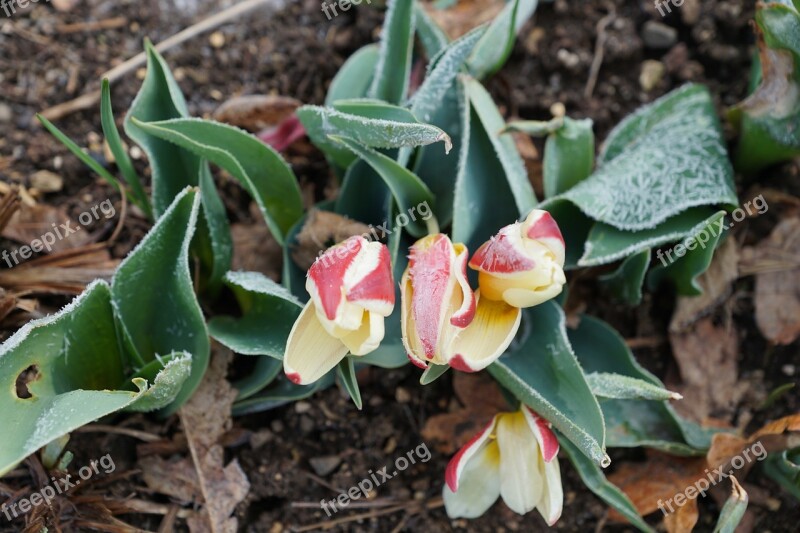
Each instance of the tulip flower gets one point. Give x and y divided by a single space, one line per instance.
443 320
515 457
523 265
352 291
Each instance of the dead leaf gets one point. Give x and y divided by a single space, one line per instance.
33 222
177 479
775 436
707 359
321 230
255 249
65 272
776 95
716 283
464 15
683 519
205 418
256 112
777 292
481 400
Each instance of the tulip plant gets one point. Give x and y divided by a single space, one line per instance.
476 281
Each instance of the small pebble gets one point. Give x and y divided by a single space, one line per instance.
302 407
788 370
402 395
6 114
652 73
658 35
217 39
46 181
325 465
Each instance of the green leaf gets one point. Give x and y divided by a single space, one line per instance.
733 510
354 77
606 244
597 482
430 34
432 373
266 371
279 394
154 298
568 156
663 159
347 374
693 256
543 373
268 312
784 469
160 98
260 169
633 423
369 123
574 225
123 160
625 283
64 397
85 158
408 190
364 196
495 46
215 225
610 385
393 69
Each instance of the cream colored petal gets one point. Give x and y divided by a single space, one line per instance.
478 485
310 351
552 501
407 327
368 337
521 480
528 298
486 338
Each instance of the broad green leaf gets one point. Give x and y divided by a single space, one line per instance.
347 374
733 510
393 69
536 128
543 373
625 283
376 125
663 159
619 387
597 482
214 221
160 98
354 77
268 312
495 46
260 169
123 160
364 196
432 373
265 371
568 156
606 244
633 423
279 394
430 34
441 74
78 375
153 296
691 257
85 158
408 190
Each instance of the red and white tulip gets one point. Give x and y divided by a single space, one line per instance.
352 291
443 321
523 265
515 457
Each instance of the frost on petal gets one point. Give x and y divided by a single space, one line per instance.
504 253
325 281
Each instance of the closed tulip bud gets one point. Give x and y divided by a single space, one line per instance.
352 291
523 265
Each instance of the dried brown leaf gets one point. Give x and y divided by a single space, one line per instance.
32 222
464 15
683 519
256 112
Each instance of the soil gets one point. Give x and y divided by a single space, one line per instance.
295 52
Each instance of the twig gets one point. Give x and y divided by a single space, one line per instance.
599 51
411 507
105 24
89 99
135 433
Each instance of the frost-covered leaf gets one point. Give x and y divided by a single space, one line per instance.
625 283
63 371
267 313
160 98
542 372
430 34
394 61
214 239
733 510
617 386
153 295
665 158
495 46
354 77
260 169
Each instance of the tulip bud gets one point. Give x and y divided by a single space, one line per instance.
352 291
523 265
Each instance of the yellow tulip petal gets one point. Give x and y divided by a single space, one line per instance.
486 338
310 351
367 337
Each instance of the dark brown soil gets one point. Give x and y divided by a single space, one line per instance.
296 52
